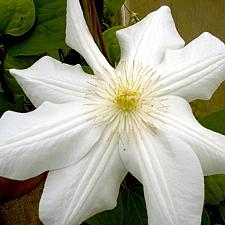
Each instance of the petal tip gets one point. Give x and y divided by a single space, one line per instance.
207 34
213 40
14 72
165 8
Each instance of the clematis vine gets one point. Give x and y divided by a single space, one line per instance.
89 131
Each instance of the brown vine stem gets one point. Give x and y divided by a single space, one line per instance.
94 24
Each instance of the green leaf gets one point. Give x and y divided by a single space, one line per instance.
49 32
213 121
113 5
18 62
19 102
12 84
87 69
5 105
205 218
112 44
214 185
59 55
130 209
16 16
109 217
134 206
214 189
222 212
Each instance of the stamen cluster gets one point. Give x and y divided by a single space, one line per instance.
127 99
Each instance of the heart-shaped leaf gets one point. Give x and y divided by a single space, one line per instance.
49 31
16 16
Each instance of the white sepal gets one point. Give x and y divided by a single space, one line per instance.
53 81
51 137
171 175
195 71
73 194
208 145
147 40
79 38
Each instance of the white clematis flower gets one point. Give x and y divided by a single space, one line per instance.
90 130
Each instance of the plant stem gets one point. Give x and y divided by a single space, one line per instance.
95 26
8 94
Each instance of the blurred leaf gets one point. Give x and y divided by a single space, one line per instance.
18 62
113 5
19 97
134 206
214 185
222 212
130 209
205 218
5 105
87 69
49 32
214 189
109 217
213 121
56 53
19 102
112 44
16 16
12 84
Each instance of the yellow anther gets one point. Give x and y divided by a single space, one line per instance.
127 99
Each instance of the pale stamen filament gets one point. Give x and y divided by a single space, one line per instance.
127 100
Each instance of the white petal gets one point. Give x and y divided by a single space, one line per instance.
171 175
79 38
195 71
73 194
147 40
51 137
208 145
51 80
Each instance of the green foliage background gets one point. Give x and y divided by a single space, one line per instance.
30 29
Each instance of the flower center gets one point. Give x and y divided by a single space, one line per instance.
127 99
